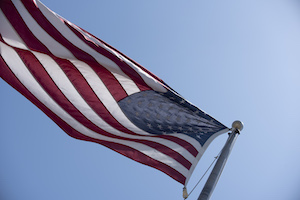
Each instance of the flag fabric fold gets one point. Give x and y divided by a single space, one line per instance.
95 93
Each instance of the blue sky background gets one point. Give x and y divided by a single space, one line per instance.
233 59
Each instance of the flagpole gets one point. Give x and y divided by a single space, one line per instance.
214 176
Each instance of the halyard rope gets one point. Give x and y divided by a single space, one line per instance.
204 174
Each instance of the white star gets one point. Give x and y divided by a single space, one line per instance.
170 108
129 101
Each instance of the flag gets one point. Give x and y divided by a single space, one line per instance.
95 93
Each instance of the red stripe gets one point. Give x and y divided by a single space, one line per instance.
19 25
9 77
184 144
108 79
140 66
33 43
37 70
144 159
121 63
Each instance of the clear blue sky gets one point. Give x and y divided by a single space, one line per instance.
233 59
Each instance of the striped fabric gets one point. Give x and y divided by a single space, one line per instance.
95 93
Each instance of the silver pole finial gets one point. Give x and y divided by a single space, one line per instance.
237 125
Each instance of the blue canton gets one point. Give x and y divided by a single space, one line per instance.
167 113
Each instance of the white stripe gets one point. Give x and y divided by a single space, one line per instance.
153 83
190 140
124 80
66 87
9 35
22 73
54 47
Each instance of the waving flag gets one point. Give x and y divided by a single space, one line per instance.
95 93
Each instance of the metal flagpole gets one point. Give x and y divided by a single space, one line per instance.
214 176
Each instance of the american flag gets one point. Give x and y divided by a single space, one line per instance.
95 93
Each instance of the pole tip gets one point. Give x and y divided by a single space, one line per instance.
237 125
